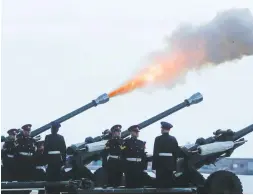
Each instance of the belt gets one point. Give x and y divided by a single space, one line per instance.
54 152
165 154
26 153
40 167
134 159
10 155
113 156
43 168
67 169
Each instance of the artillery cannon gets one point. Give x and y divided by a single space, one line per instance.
100 100
82 154
206 152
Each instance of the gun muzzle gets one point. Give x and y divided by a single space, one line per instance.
195 98
102 99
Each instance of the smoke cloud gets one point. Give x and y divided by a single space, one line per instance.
229 36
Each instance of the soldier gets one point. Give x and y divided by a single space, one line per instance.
112 161
134 155
25 149
164 156
8 153
55 153
40 162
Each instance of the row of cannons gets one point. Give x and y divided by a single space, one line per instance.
203 152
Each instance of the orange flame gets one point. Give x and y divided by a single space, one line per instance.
167 69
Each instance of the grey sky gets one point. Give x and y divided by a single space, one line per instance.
59 55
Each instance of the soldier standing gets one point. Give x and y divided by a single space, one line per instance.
164 156
8 154
134 155
25 149
112 161
55 153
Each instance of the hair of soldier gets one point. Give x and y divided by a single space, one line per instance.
165 130
54 130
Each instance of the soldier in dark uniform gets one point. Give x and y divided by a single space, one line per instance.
112 159
8 154
40 162
134 155
165 156
25 149
55 154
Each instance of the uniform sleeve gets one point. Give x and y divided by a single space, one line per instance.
35 145
144 149
3 150
177 152
155 154
4 146
46 145
63 150
104 154
106 150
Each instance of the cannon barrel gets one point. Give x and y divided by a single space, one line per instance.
224 136
100 100
215 148
241 133
194 99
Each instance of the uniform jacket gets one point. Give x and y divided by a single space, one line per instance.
134 148
55 142
8 152
165 143
25 144
113 147
8 147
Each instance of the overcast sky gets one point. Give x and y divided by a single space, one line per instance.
58 55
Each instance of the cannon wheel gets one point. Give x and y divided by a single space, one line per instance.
223 182
100 176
